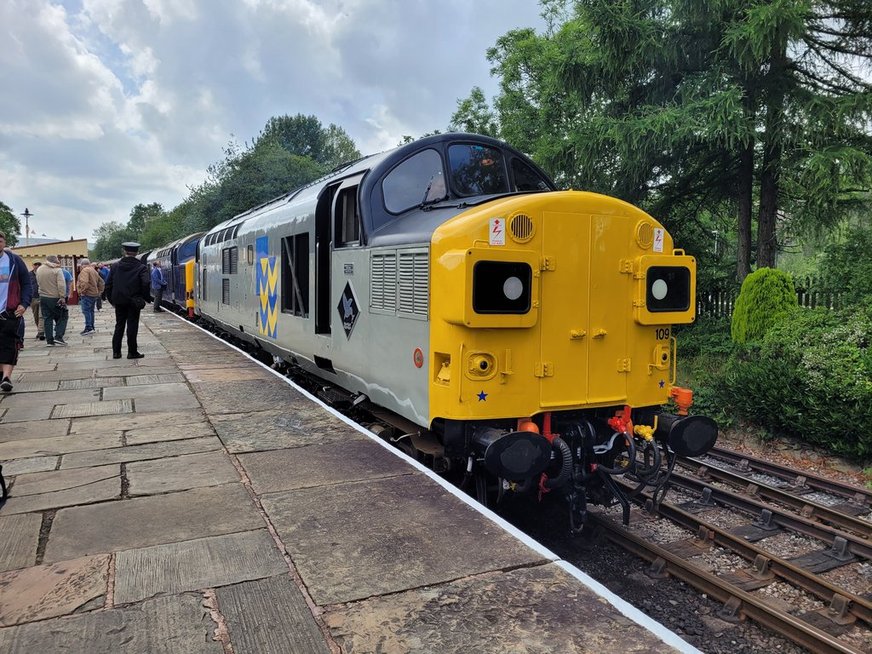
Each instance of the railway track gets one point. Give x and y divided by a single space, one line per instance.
725 511
801 481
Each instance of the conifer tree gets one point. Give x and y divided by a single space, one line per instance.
737 107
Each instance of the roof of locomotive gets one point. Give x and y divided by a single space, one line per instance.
166 250
415 224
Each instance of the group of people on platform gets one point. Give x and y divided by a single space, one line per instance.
52 283
127 285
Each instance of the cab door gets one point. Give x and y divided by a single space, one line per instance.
610 288
564 343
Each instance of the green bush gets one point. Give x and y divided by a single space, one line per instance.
766 296
703 348
707 336
847 266
809 378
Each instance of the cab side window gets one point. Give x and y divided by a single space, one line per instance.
527 179
415 181
347 216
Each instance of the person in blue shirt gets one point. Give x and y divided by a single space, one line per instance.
158 284
104 273
68 278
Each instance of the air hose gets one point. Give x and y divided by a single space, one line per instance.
565 466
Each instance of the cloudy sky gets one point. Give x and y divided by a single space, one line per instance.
109 103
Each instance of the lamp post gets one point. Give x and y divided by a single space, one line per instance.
27 216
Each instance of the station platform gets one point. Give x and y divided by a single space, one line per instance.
196 501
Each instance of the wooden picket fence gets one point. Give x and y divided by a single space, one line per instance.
810 293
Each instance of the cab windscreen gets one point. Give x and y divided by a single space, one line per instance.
501 287
668 289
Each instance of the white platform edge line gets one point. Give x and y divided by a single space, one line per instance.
625 608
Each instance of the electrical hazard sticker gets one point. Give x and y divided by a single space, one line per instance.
658 239
497 232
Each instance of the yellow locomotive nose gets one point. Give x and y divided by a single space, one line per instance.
570 309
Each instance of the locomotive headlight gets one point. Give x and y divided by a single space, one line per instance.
513 288
659 289
501 287
668 289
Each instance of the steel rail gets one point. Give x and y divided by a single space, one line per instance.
858 606
781 622
858 545
806 508
848 491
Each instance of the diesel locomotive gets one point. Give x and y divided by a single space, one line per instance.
492 323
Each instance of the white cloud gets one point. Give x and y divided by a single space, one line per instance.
109 103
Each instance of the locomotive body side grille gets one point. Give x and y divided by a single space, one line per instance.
414 282
383 282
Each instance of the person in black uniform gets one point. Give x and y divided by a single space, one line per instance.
127 288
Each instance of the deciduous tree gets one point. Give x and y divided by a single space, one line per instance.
9 224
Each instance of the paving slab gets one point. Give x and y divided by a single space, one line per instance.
236 374
57 445
122 423
401 544
166 378
165 367
41 367
213 364
196 564
216 356
35 464
26 413
270 616
140 452
168 432
91 382
320 465
152 520
48 591
18 400
65 360
34 429
97 491
123 363
106 407
156 397
55 480
259 394
35 386
166 625
19 537
180 473
274 430
539 609
52 375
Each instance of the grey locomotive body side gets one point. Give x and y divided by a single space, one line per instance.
370 352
